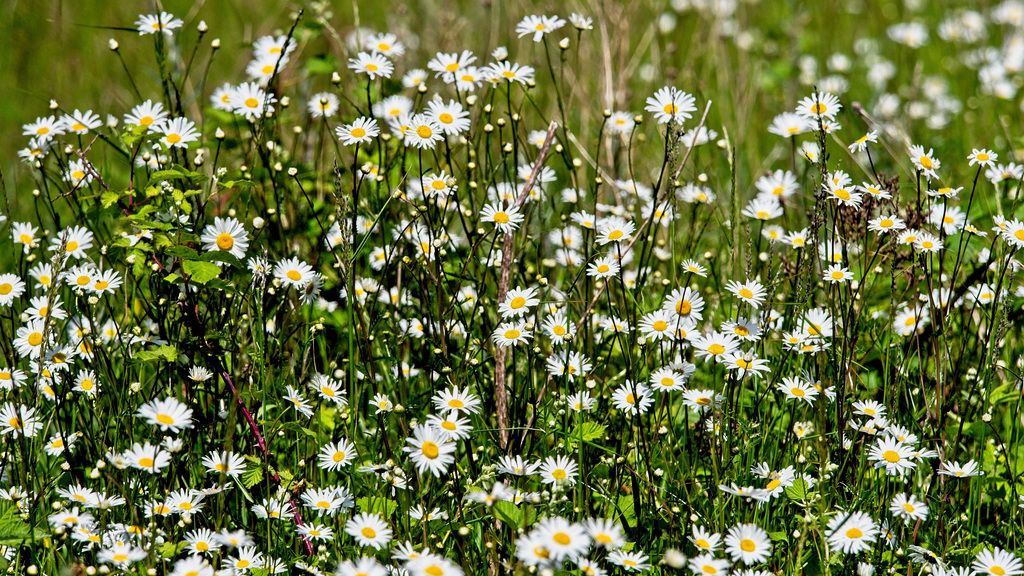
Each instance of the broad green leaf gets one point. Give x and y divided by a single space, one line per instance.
508 513
200 272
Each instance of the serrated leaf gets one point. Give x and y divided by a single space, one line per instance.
798 491
252 476
200 272
14 531
377 505
171 549
109 198
508 513
166 353
588 431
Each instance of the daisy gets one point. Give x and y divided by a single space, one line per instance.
147 457
429 451
925 162
666 380
751 292
73 241
714 346
386 44
798 389
315 532
707 564
861 144
670 104
81 122
361 131
837 274
744 363
558 328
17 419
106 282
29 339
168 414
293 272
509 72
581 401
448 65
893 455
148 115
851 532
87 383
162 22
748 543
910 509
11 286
983 157
605 533
456 399
538 26
271 46
177 133
323 105
373 65
562 538
227 235
450 426
928 243
336 455
819 106
763 208
632 398
422 132
227 463
432 565
997 562
24 233
614 229
251 101
701 401
692 267
958 470
704 539
298 402
884 224
506 220
685 303
557 470
510 334
620 123
657 324
44 129
452 119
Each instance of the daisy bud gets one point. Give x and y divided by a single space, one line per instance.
215 44
285 101
90 570
54 105
219 134
564 44
463 531
278 167
488 128
112 44
335 78
32 570
202 27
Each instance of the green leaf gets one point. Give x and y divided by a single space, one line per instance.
377 505
326 64
508 513
778 536
171 549
327 418
166 353
625 504
221 256
172 278
588 431
14 531
182 252
200 272
252 476
109 198
798 491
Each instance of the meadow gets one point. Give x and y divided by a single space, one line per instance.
700 287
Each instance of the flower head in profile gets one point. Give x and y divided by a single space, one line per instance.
670 104
374 65
154 23
538 26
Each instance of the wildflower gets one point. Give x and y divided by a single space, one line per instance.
177 133
73 241
763 208
226 234
861 144
657 324
506 220
789 125
429 451
884 224
958 470
359 132
44 129
751 292
227 463
558 328
423 132
837 274
11 286
162 22
614 229
510 72
925 162
147 457
448 65
510 334
893 455
373 65
983 157
168 414
538 26
701 401
336 455
452 119
997 562
632 398
748 543
670 104
557 470
851 532
799 389
818 107
908 508
708 564
81 122
18 419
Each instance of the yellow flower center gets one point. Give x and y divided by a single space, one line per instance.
797 391
6 288
72 246
745 293
35 339
358 133
146 462
225 241
747 545
772 486
854 533
173 138
430 450
294 275
338 456
558 474
512 334
559 330
615 235
165 419
670 108
446 118
841 193
819 108
716 349
518 302
78 174
371 67
703 401
660 326
926 162
424 132
891 456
